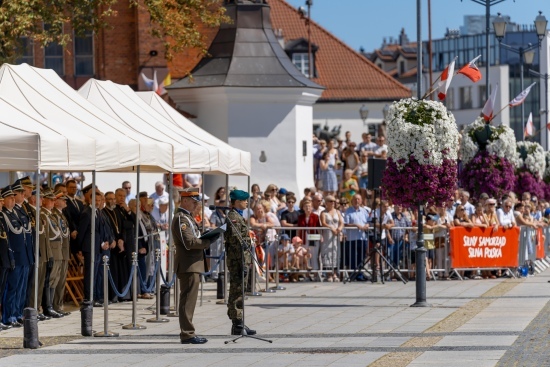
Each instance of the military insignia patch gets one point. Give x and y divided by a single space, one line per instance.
183 227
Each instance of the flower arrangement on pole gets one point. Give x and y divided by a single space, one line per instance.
546 177
489 159
531 168
422 152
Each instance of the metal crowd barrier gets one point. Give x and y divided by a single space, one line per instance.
345 257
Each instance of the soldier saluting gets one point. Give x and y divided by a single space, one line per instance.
236 232
189 261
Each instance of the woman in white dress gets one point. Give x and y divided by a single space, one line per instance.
331 218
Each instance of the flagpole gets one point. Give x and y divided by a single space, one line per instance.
496 114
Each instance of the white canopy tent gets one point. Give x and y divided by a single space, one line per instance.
56 150
110 98
232 161
118 148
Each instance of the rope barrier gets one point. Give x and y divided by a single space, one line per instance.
169 285
126 288
143 284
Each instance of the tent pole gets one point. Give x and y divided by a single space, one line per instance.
170 216
92 234
134 325
37 238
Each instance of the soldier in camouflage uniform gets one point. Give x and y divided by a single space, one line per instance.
237 231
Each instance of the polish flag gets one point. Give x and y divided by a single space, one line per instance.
520 98
471 71
489 107
529 127
446 77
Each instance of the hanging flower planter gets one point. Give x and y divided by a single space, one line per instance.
531 168
422 151
489 158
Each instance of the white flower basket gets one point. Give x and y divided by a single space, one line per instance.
502 142
534 160
432 140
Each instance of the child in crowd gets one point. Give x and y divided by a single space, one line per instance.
301 255
285 252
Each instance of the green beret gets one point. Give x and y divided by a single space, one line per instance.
238 195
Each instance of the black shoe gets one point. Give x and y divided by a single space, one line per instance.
194 340
98 304
14 324
41 317
237 329
20 320
4 327
51 312
64 313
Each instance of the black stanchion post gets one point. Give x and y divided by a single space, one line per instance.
30 328
219 286
106 332
420 263
157 318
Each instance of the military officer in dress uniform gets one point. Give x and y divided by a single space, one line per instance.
44 256
28 212
27 219
57 211
7 263
16 284
237 231
55 257
189 261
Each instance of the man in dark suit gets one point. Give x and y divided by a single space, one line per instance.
72 212
189 261
84 241
16 284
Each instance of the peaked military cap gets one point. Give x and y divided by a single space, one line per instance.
17 186
239 195
190 192
48 193
26 181
6 191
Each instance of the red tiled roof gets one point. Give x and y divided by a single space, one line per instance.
346 74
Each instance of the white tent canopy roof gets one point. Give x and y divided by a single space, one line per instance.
18 148
57 150
115 100
232 161
118 148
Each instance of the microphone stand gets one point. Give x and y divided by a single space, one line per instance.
244 248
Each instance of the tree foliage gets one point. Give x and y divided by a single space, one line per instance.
173 21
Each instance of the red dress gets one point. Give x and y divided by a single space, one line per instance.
312 221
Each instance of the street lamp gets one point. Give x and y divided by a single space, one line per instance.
385 111
364 113
526 54
540 25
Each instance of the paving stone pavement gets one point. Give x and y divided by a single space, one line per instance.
474 323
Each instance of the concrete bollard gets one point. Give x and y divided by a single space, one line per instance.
86 318
30 328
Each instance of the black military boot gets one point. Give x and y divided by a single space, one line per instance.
49 311
237 328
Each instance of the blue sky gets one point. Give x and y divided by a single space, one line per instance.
366 22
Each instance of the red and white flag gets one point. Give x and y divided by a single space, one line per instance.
529 127
471 71
489 107
446 77
520 98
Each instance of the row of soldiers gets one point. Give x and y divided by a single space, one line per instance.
17 253
64 230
